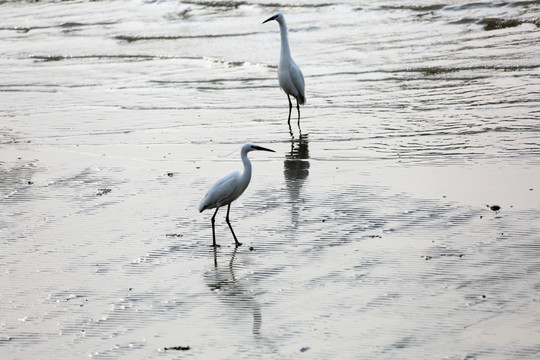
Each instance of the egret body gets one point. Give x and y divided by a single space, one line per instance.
229 188
290 77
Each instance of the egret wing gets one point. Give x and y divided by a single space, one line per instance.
221 192
298 82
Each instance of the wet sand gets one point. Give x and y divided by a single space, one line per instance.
372 234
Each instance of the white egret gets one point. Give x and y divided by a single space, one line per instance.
229 188
290 77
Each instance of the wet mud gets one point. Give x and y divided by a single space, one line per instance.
400 221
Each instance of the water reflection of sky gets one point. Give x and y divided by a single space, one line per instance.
419 115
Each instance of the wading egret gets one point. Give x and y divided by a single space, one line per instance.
229 188
290 76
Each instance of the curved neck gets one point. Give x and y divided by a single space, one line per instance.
246 175
285 50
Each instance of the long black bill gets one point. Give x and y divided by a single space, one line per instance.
257 147
270 18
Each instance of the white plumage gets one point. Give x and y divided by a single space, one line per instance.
290 77
229 188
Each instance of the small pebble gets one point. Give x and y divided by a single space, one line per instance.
182 348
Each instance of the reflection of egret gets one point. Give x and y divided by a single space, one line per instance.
290 77
232 291
296 164
296 171
229 188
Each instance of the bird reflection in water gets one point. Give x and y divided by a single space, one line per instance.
233 292
296 171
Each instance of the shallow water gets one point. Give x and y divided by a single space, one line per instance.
367 235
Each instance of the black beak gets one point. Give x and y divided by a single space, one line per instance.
256 147
270 18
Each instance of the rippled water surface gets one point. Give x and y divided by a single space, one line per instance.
400 221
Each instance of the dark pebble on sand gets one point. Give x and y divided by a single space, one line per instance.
103 191
495 207
182 348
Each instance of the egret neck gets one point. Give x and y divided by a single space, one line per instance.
246 175
285 50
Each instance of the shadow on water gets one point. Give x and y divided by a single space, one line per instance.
222 280
296 171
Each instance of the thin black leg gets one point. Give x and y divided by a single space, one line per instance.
289 119
230 227
298 108
290 109
213 229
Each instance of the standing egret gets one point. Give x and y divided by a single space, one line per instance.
290 76
229 188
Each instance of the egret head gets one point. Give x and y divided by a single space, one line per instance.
277 16
251 147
